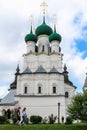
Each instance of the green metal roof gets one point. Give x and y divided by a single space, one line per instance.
43 29
55 36
31 36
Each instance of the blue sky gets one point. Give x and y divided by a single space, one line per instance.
71 24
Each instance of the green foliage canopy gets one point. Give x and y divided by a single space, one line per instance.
78 107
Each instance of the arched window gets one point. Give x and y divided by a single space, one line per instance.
54 89
25 90
43 48
39 90
66 94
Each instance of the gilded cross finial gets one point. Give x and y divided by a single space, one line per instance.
43 5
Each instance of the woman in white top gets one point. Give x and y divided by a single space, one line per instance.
24 116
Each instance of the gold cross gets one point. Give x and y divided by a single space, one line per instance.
44 5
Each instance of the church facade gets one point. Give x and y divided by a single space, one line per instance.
43 87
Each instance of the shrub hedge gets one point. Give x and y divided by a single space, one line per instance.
35 119
3 119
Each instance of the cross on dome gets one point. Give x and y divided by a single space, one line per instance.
43 5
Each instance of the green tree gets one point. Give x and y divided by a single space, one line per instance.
78 108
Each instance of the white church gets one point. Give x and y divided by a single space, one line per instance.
43 87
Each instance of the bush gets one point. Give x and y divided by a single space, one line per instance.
8 121
52 119
69 120
35 119
2 119
14 120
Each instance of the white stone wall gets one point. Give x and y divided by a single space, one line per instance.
43 106
47 61
47 81
45 103
43 40
55 46
71 91
30 46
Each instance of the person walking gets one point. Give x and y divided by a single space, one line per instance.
8 114
24 116
18 116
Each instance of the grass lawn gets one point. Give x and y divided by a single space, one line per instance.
45 127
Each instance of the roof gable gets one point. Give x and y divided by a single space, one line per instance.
27 71
40 69
53 70
9 98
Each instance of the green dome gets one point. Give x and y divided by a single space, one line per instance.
30 37
55 36
43 29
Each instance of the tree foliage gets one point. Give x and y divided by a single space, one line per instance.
69 120
78 107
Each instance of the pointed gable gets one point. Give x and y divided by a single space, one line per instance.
27 71
53 70
40 69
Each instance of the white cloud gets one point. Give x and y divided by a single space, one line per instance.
3 91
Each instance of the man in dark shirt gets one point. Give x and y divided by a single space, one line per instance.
18 116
